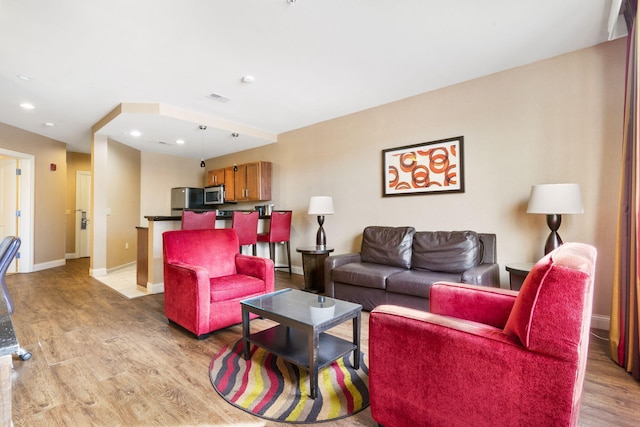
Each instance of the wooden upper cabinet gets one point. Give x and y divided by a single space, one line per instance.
244 183
253 182
216 177
229 184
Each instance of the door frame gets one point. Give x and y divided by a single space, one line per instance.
26 203
78 216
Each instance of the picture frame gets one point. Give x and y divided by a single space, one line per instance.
427 168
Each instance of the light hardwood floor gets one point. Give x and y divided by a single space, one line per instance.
100 359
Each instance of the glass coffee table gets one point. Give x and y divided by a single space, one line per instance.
300 336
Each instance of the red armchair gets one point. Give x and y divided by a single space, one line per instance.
205 278
486 356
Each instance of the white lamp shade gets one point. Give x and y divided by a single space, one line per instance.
321 205
553 199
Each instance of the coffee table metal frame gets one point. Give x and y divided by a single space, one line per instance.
297 338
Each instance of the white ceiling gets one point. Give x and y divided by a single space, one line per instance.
312 60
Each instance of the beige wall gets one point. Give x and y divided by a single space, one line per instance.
557 120
50 187
160 173
75 162
123 203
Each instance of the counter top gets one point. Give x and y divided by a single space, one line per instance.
8 340
225 215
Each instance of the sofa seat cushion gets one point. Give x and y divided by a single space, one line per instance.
234 286
418 283
387 245
364 274
446 251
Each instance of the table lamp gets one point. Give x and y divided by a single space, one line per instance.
321 206
555 200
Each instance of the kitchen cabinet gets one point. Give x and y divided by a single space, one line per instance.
229 184
247 182
216 177
253 182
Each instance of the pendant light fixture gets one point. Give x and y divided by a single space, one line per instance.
202 128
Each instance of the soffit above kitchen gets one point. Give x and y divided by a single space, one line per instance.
265 66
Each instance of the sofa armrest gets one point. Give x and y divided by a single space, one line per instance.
483 274
490 306
332 262
259 267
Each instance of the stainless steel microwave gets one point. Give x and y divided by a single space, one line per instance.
214 195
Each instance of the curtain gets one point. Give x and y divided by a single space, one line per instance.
624 332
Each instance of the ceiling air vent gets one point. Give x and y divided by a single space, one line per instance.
219 98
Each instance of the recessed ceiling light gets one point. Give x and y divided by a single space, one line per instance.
179 141
48 124
27 106
248 79
135 133
23 77
235 134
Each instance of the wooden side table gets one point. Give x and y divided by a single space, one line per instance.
517 273
313 265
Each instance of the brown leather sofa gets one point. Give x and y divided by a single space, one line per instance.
397 265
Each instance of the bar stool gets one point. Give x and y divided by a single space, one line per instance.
198 220
246 226
279 232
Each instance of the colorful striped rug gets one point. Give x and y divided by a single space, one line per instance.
274 389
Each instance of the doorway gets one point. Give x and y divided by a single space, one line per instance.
17 199
8 201
83 214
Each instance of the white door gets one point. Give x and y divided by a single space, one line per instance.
8 201
83 213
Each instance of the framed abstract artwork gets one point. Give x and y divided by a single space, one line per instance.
426 168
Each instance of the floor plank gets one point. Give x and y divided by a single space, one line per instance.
102 359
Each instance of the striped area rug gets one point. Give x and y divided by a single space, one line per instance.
274 389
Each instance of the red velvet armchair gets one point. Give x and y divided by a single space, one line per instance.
486 356
205 278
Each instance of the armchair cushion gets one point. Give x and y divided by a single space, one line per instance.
226 288
387 245
446 251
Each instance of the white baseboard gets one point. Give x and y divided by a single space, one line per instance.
50 264
97 272
599 321
71 256
120 267
155 288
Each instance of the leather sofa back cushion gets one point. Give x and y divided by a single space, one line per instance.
446 251
387 245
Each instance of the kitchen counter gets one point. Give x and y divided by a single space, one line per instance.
150 274
227 215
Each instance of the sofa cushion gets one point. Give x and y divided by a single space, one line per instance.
364 274
446 251
387 245
417 282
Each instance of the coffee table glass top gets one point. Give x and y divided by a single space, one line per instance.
298 305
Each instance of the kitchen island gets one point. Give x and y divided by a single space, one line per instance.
149 265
